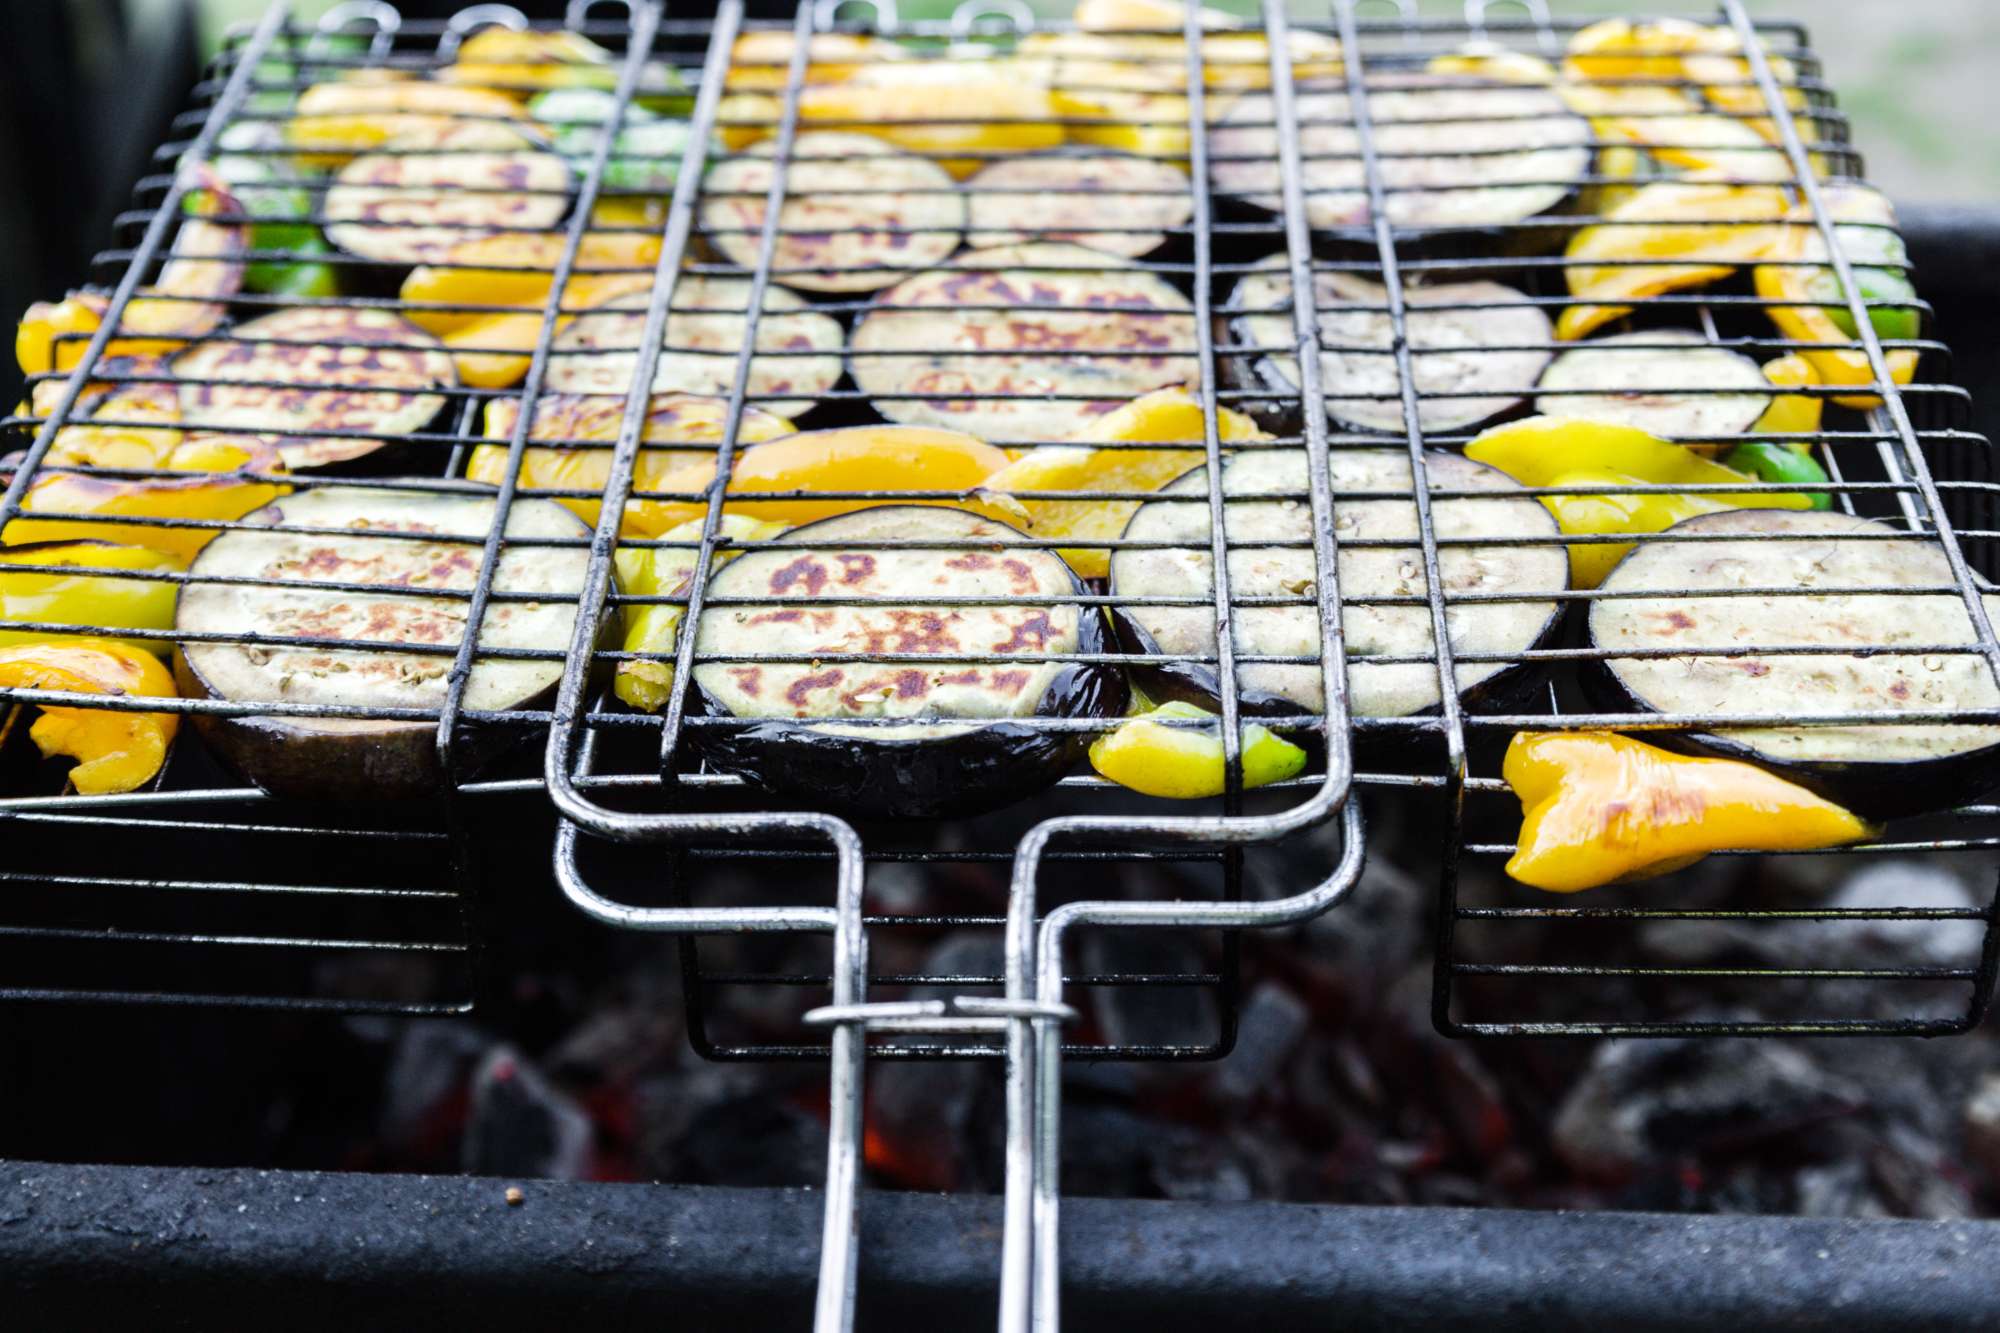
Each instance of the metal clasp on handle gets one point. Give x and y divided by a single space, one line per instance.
471 19
378 14
826 13
975 16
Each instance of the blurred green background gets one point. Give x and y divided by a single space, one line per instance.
1917 77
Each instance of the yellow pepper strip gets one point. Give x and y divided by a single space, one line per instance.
87 598
1791 413
1708 228
1575 451
1803 319
114 751
1230 60
1165 416
1490 60
855 458
665 572
210 494
760 60
521 64
940 107
332 122
1151 755
125 404
517 269
1599 808
671 418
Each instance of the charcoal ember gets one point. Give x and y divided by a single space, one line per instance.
1982 1127
732 1124
522 1124
1144 1013
1910 1175
425 1092
1269 1027
635 1027
1114 1151
1836 1189
1642 1104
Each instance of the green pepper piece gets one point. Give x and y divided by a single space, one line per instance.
1771 462
1881 265
1151 755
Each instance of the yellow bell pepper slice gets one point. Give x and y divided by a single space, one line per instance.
115 751
1575 451
671 418
655 626
1707 227
760 61
1230 60
208 494
516 269
938 108
1166 416
333 122
87 597
888 459
1844 363
1490 60
522 63
1152 756
1791 413
1599 808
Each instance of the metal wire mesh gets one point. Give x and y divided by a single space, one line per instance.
638 763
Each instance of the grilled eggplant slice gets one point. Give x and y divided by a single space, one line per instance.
358 758
958 736
1454 155
390 389
435 187
1880 771
1271 556
1066 333
858 212
802 347
1669 382
1478 345
1048 196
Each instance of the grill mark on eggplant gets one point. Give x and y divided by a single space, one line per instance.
1528 149
342 369
956 736
910 217
598 352
1666 392
1260 568
905 359
1881 769
358 756
999 216
1462 385
443 185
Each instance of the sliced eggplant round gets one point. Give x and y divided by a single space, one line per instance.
1470 364
1071 194
1673 383
1022 344
310 369
858 212
361 758
1271 556
1878 770
799 347
432 188
955 736
1454 155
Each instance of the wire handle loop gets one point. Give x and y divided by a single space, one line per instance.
826 13
975 16
471 19
377 14
577 12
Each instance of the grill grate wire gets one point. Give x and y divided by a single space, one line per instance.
645 830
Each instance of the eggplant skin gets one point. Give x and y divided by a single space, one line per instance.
992 765
1876 788
969 763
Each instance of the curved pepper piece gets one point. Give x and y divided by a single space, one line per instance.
1767 460
1706 228
671 418
1165 416
1811 306
937 108
659 571
115 751
1791 413
1183 762
1575 451
1599 808
88 597
332 122
211 493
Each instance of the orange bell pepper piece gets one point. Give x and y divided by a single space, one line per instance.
115 751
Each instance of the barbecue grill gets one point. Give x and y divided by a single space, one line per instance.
201 890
